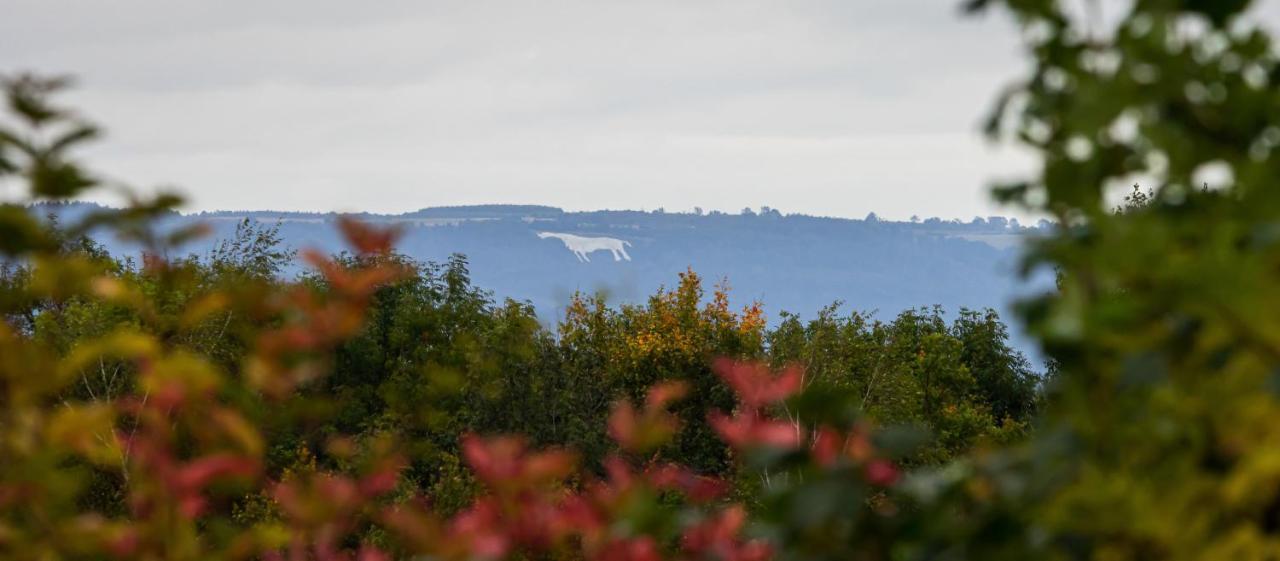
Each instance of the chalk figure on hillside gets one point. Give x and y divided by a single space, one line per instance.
581 246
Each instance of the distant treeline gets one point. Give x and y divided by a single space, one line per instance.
978 224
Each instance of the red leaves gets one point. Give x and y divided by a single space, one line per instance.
881 472
664 393
640 432
481 530
525 511
366 239
496 526
826 447
699 488
316 323
313 500
370 553
529 512
757 388
322 498
323 508
354 283
122 543
643 548
419 529
381 481
751 426
504 462
755 384
717 537
829 446
202 471
189 481
749 429
165 479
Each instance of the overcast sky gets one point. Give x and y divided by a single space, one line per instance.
839 107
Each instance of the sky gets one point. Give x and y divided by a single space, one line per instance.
825 107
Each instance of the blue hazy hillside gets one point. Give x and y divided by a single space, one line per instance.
795 263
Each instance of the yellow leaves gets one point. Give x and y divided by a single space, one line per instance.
272 376
660 341
1246 433
676 323
22 434
203 307
8 535
238 430
121 344
577 308
584 316
261 374
1255 478
117 291
753 320
1242 542
63 276
109 288
689 292
30 365
270 536
180 374
720 300
88 430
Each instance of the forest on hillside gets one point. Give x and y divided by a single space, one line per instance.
378 406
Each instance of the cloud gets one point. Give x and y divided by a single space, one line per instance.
827 107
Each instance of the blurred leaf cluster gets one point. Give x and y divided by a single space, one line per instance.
1160 421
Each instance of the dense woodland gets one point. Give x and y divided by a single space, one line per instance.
378 407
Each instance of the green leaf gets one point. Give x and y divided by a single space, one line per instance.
57 180
80 133
20 232
28 97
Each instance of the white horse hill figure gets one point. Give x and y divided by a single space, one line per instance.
581 246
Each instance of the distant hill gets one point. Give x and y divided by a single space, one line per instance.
789 262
